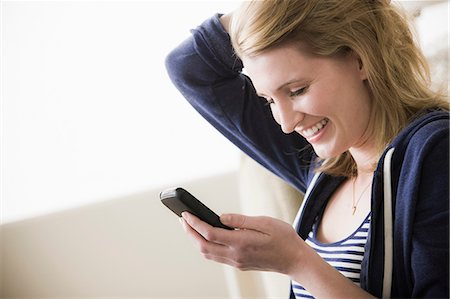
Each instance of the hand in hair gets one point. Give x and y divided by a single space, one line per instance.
225 21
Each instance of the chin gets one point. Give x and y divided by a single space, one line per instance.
325 153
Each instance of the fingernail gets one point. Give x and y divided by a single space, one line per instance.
185 216
224 218
183 223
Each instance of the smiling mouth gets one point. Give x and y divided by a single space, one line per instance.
310 132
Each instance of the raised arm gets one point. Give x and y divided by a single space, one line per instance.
209 75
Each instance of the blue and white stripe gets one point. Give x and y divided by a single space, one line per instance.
345 256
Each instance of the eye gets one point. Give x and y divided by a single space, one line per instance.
298 92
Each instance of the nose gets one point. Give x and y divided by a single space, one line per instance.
286 115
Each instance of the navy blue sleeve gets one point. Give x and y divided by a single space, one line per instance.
209 75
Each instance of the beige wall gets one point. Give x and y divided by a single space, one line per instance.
124 248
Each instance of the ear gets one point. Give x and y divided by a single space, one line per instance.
357 62
361 68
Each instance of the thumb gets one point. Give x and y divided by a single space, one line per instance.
242 221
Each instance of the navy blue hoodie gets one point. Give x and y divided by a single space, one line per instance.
407 249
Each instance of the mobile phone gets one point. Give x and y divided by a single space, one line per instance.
179 200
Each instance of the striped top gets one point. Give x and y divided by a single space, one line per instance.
345 255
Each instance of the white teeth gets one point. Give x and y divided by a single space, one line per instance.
316 128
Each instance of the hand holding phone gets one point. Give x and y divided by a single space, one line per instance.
178 200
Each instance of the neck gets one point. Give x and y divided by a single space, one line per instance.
363 179
366 158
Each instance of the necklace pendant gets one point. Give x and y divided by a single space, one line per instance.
353 210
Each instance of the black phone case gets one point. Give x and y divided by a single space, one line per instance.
179 200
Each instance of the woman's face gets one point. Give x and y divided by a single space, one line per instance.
324 99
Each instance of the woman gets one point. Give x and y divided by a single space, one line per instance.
356 128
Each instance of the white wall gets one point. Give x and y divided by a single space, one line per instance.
88 112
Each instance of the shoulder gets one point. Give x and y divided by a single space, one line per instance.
420 162
421 151
424 135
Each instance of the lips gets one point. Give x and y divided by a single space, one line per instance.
313 130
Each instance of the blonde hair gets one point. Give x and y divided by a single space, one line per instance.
398 73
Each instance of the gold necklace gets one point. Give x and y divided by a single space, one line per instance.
355 204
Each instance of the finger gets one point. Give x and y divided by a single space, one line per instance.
208 249
230 262
197 238
246 222
208 232
221 260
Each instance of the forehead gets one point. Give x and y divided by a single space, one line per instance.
293 66
280 65
287 52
